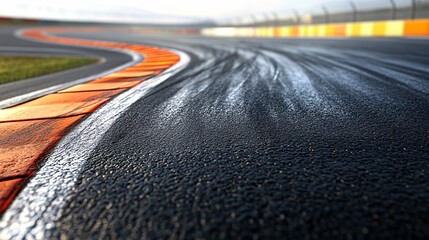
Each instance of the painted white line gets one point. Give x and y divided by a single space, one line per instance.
32 95
38 207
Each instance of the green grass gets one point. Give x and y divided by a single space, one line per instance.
18 68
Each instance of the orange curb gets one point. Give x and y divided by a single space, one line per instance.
63 98
22 112
100 86
9 188
29 130
22 143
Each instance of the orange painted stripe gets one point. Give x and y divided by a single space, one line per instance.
149 68
137 71
22 112
14 134
22 143
29 130
8 190
10 167
133 74
155 64
151 62
339 30
416 28
100 86
116 79
294 31
64 98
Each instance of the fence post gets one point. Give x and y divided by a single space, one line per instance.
298 20
267 19
276 19
393 9
325 10
354 9
413 9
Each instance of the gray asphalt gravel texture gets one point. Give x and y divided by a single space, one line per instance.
266 139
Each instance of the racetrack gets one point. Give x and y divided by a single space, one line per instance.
265 138
12 45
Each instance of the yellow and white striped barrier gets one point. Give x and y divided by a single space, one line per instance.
357 29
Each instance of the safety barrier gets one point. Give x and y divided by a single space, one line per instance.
355 29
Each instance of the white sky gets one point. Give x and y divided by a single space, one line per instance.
156 10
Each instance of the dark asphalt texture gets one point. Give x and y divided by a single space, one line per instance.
266 139
11 45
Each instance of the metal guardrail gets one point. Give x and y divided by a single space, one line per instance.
344 11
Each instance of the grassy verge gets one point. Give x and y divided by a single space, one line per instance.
17 68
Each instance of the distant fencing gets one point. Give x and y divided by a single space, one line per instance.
344 18
341 12
392 28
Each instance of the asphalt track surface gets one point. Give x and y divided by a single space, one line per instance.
263 138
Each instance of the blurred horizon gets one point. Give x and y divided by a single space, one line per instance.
169 11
